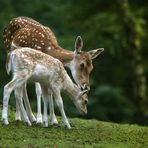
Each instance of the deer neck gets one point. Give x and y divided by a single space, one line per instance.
65 56
72 90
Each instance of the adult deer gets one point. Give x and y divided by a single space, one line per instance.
26 32
50 73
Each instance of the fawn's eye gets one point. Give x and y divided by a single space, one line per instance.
85 101
82 65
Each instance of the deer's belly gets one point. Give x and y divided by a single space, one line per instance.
41 74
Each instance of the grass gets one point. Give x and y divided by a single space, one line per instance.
84 134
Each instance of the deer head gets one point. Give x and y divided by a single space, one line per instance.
82 64
80 100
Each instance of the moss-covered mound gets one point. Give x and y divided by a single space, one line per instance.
84 133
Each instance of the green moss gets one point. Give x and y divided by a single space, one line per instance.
84 133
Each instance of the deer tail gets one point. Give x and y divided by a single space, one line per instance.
9 63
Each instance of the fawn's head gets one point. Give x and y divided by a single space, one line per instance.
81 102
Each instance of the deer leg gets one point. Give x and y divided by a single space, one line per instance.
45 101
27 105
39 94
45 116
19 94
59 102
53 118
8 88
17 113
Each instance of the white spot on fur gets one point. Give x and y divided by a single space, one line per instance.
38 47
42 43
49 47
42 35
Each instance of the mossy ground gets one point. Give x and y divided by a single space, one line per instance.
84 133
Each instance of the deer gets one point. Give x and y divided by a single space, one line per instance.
53 78
26 32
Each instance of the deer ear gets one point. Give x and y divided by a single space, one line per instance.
78 45
82 93
94 53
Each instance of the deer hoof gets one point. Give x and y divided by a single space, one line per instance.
57 125
38 123
67 127
45 124
5 122
28 123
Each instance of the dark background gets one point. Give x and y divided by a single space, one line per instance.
119 79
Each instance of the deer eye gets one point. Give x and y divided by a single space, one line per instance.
82 65
85 102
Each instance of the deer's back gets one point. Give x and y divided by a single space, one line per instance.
19 26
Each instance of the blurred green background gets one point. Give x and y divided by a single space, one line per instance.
119 79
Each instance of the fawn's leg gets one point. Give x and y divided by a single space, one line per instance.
45 101
38 94
53 118
27 104
59 101
8 88
17 81
19 94
17 113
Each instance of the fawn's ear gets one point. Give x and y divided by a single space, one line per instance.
78 45
83 92
94 53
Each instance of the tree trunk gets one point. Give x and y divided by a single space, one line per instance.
134 53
